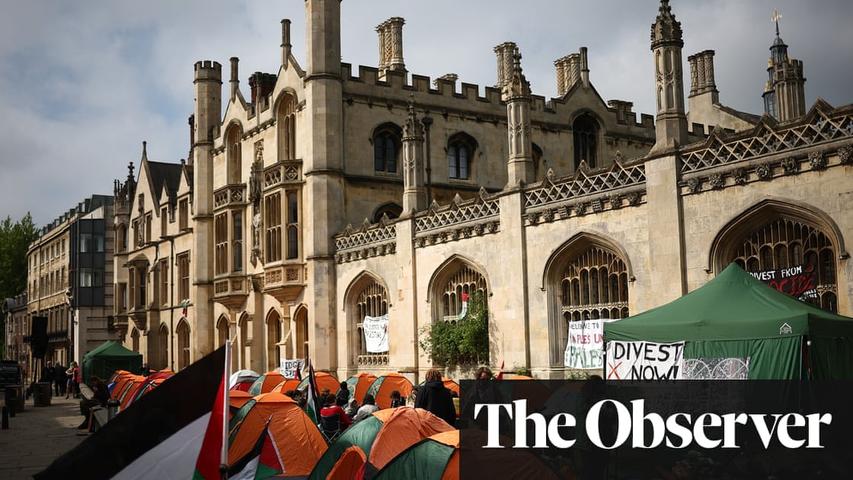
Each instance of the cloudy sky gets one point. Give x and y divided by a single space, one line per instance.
80 88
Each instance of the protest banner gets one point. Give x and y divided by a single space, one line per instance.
376 334
644 361
585 346
290 367
799 281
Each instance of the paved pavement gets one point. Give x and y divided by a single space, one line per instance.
38 436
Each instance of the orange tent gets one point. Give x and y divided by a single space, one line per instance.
382 387
266 382
299 441
437 453
380 437
403 428
238 398
287 385
358 385
130 389
349 465
325 381
121 384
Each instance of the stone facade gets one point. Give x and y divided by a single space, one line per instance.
70 281
330 195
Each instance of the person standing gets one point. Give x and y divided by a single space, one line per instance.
436 398
59 379
48 374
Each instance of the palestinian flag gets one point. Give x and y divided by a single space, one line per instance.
264 461
313 406
214 448
158 437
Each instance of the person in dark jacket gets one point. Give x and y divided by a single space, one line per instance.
433 396
342 397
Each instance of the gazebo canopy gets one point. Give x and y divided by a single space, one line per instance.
736 315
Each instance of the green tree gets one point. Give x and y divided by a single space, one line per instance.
15 239
461 342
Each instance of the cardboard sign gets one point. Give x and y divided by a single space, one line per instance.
376 333
585 346
289 367
644 361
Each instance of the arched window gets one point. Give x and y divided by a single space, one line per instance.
460 152
183 332
387 140
459 279
392 210
302 336
273 339
586 279
222 330
134 340
163 346
292 225
121 237
233 154
585 136
369 298
786 242
286 122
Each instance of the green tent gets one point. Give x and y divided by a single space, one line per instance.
738 316
109 357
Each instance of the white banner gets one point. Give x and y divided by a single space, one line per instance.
585 347
289 367
376 333
644 361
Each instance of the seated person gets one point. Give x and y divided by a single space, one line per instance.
367 409
330 409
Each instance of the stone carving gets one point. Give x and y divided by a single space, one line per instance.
633 198
845 155
790 165
717 180
458 212
764 171
616 200
716 151
694 184
817 160
597 205
741 176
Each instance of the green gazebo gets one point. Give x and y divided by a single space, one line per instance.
109 357
738 316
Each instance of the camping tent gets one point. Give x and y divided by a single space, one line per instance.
736 317
383 386
109 357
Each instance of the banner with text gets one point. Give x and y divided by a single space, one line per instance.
376 334
585 347
290 367
644 361
799 281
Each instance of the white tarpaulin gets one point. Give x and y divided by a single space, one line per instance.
376 333
288 368
585 346
644 361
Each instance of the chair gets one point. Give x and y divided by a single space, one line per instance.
330 426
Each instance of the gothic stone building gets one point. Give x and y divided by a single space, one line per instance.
333 193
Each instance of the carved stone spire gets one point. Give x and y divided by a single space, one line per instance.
144 152
516 94
414 193
666 43
666 30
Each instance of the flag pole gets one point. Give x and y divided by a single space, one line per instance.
223 454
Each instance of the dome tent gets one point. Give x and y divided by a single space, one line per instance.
737 316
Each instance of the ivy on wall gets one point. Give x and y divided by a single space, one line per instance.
461 342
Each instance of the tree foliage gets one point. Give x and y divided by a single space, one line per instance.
461 342
15 239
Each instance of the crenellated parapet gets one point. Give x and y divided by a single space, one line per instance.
822 139
370 240
458 220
